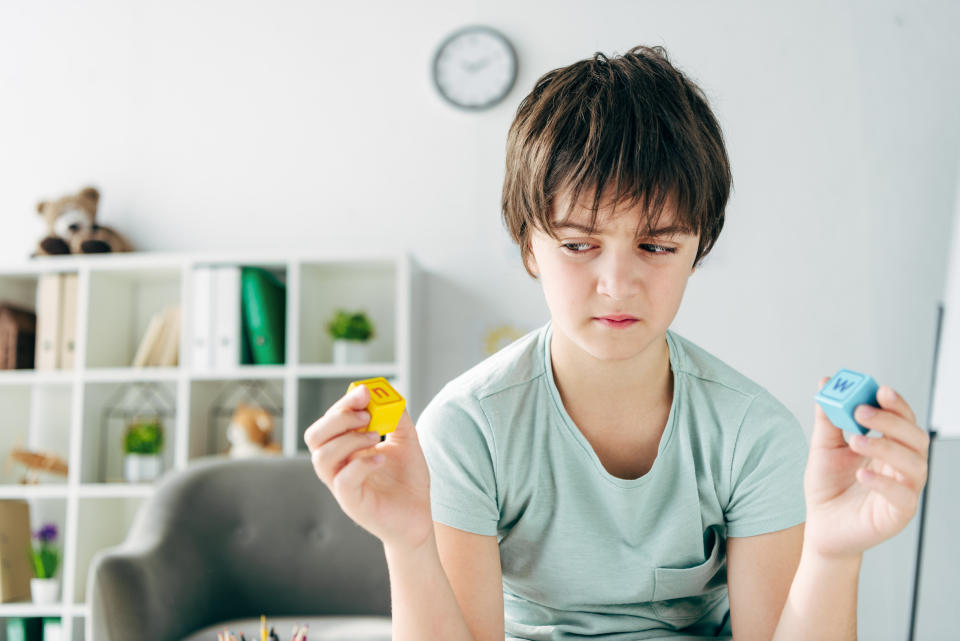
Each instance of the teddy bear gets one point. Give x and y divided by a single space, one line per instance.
250 432
72 227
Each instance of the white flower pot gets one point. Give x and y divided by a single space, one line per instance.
141 468
45 591
349 352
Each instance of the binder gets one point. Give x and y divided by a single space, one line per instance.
15 569
264 315
226 316
49 321
201 344
18 337
68 318
25 629
52 629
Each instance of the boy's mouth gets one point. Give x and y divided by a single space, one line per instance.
617 320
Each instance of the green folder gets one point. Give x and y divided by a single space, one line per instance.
24 629
264 300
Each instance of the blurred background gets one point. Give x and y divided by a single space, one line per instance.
299 126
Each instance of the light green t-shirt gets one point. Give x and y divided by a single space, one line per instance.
585 554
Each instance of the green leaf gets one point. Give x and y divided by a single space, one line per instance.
350 326
143 437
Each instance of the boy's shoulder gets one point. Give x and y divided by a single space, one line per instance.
518 363
716 377
703 366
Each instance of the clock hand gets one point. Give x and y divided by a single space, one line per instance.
476 66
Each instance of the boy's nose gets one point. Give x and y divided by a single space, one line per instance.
618 278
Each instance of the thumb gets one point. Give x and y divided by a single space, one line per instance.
357 399
405 428
825 433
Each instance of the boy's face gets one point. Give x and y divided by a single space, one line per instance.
611 293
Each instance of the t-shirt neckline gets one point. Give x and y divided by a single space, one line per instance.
668 431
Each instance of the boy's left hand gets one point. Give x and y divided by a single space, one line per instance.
862 494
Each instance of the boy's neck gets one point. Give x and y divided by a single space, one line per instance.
641 384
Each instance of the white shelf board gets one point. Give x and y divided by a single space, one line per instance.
48 491
114 490
364 370
152 260
34 377
241 372
28 609
130 374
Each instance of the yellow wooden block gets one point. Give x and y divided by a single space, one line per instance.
385 406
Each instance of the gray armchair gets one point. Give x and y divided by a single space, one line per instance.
222 542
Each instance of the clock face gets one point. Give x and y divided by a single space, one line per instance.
475 68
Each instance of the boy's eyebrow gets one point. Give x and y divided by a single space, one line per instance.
670 230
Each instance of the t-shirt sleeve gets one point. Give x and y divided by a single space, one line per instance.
460 454
769 457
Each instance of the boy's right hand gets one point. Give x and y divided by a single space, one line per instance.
383 486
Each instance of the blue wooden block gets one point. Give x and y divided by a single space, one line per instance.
842 394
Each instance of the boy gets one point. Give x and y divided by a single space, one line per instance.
604 477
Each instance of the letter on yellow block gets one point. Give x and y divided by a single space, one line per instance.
385 406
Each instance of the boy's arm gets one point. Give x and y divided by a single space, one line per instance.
760 570
772 596
822 603
458 599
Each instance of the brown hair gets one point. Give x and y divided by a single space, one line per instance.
633 122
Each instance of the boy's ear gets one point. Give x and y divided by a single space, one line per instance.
531 262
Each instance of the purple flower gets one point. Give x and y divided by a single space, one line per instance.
46 534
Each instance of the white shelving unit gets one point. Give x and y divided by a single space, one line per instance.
62 411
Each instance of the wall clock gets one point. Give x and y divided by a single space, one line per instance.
475 67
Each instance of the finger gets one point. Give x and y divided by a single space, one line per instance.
888 398
890 421
334 425
825 433
405 427
907 465
330 457
900 496
348 413
348 483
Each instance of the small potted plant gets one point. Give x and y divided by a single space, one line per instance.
142 444
45 558
350 331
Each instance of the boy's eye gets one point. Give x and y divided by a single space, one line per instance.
658 249
576 248
580 248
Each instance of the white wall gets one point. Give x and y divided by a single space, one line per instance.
216 125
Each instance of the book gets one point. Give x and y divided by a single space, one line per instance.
202 336
160 345
68 321
168 349
49 321
18 337
264 314
146 351
226 316
15 570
